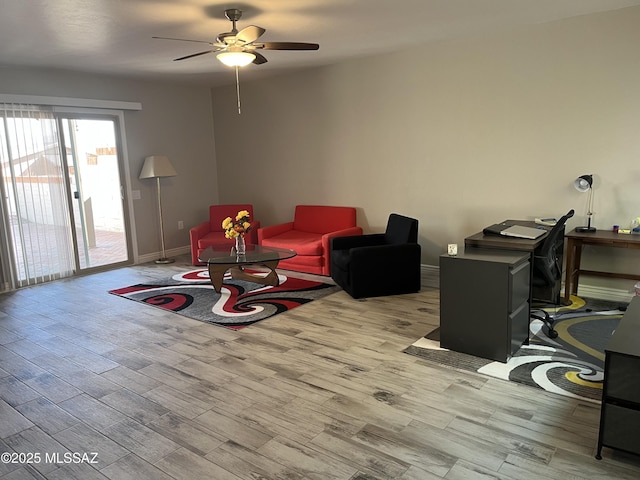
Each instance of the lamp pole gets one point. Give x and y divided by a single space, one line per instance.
163 259
158 166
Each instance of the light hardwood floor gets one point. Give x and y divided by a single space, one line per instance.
321 392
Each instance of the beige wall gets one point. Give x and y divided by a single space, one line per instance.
175 121
459 134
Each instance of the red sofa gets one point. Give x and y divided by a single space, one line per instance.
310 234
211 232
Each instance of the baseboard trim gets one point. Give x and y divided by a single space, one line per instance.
434 270
174 252
603 293
584 290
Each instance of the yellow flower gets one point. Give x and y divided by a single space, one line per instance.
238 227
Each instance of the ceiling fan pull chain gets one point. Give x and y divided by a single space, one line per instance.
238 90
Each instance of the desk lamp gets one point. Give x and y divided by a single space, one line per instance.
157 166
584 183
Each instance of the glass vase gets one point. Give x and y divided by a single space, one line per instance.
241 247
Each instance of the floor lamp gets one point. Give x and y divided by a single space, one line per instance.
158 166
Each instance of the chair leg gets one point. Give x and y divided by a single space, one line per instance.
548 321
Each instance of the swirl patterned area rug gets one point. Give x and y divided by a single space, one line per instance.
239 305
571 364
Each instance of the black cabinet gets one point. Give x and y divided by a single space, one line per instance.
620 409
484 302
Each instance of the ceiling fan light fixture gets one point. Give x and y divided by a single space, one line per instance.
236 59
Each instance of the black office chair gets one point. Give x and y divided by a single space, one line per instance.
547 272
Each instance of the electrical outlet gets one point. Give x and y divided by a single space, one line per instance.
180 224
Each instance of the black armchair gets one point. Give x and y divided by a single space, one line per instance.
380 263
547 271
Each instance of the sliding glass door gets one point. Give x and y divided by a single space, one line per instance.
96 187
62 196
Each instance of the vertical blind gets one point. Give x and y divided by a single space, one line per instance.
37 243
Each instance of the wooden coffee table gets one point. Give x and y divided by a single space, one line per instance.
221 258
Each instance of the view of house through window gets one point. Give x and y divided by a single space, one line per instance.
92 158
62 203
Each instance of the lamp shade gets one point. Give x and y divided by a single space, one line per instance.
583 183
157 166
236 59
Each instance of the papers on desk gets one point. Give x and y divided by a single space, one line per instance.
549 222
516 231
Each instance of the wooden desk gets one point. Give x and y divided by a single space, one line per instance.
481 240
604 238
506 243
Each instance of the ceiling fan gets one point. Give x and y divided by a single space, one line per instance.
239 48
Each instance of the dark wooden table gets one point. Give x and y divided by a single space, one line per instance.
603 238
506 243
480 240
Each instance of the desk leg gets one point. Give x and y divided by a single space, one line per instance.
575 275
568 274
572 275
531 258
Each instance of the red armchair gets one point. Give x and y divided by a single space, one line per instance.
310 236
211 232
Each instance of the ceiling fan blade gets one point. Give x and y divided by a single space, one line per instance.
250 34
287 46
183 40
260 59
194 55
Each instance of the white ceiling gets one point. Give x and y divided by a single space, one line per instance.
114 36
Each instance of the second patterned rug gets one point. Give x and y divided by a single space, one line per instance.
571 364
